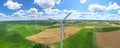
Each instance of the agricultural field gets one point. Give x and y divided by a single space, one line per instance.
108 37
13 34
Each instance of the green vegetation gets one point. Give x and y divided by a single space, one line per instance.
12 34
117 23
108 29
40 46
82 39
82 24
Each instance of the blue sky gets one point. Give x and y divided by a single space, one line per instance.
58 9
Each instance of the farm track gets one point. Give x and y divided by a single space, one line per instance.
50 36
108 39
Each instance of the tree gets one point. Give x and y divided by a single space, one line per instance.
40 46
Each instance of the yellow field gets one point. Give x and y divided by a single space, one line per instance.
50 36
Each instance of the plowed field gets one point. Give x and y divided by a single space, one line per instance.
50 36
108 39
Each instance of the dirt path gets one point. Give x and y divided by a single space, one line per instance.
50 36
108 39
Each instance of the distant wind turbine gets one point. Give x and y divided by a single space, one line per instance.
25 21
35 21
36 24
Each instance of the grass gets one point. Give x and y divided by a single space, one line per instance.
108 29
26 31
82 39
88 24
117 23
12 34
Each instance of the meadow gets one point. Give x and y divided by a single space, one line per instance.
12 34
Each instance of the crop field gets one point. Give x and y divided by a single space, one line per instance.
108 37
77 34
50 36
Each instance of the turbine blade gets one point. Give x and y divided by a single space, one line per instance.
53 20
67 16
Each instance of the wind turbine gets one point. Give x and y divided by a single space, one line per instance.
35 21
61 27
36 24
25 23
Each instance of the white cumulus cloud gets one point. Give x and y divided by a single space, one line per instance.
57 1
20 13
96 8
46 3
69 11
2 15
113 6
12 5
52 11
82 1
118 11
33 12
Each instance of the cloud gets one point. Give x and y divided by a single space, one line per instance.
96 8
74 12
100 17
68 11
20 13
113 17
82 1
47 3
12 5
86 16
118 11
57 1
2 15
73 16
113 6
32 12
52 11
83 14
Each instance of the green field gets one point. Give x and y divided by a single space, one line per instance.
82 39
12 34
108 29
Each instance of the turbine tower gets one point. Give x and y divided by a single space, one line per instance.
61 27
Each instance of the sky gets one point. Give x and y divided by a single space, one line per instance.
58 9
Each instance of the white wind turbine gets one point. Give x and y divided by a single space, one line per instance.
61 27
